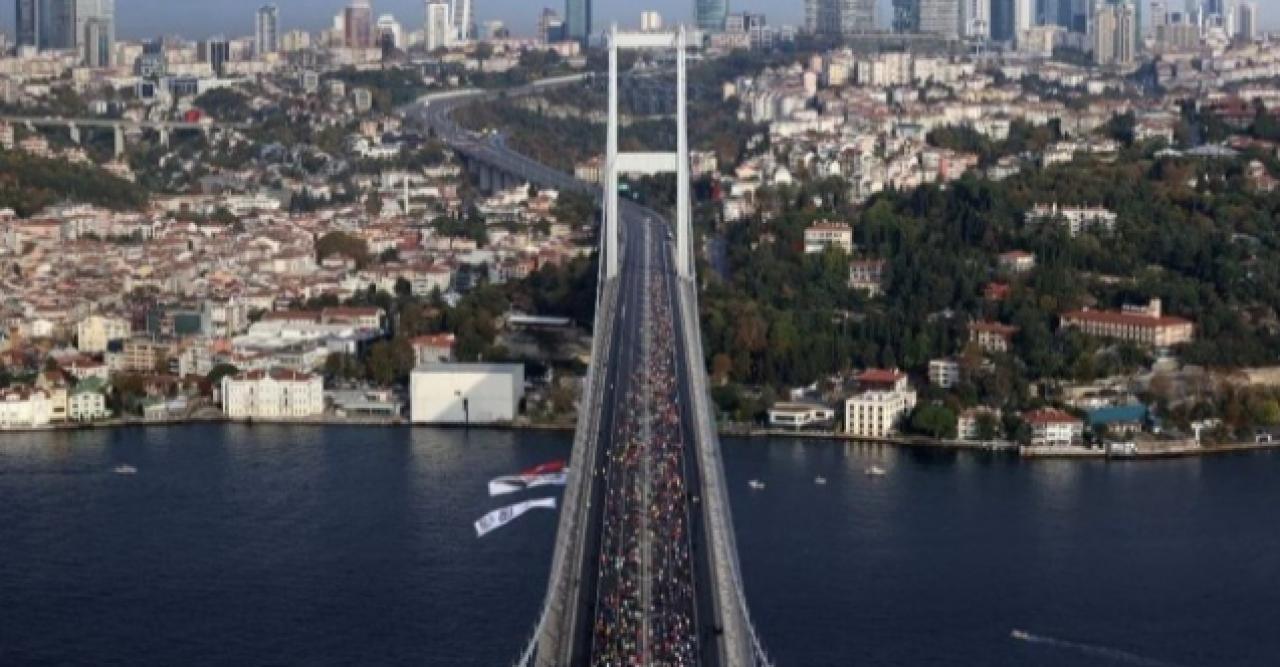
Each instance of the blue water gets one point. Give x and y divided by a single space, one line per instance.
339 546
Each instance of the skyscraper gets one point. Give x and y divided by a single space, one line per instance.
1002 20
711 14
93 10
1247 18
839 17
98 42
461 18
976 19
940 17
577 19
56 25
1115 32
27 22
216 51
267 30
357 25
439 29
906 16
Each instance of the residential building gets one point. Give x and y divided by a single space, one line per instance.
1076 219
95 332
267 30
866 275
144 355
24 407
992 336
944 373
87 402
465 393
1017 261
799 415
1119 419
1146 326
877 414
1051 427
824 234
650 21
272 394
433 349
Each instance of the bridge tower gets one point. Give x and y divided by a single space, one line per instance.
617 164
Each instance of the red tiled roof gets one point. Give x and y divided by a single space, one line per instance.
1050 416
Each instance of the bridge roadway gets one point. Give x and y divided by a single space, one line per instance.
565 633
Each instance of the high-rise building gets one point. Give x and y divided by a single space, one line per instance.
710 15
839 17
98 42
463 20
940 17
439 29
577 19
1024 17
1002 20
550 26
1247 21
27 22
976 19
103 11
906 16
267 30
56 25
217 52
1114 34
650 21
388 35
357 25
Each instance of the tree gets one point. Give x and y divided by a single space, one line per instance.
221 371
987 426
934 420
344 244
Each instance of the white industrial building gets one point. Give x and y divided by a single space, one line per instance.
465 393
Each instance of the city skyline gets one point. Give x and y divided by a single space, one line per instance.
144 18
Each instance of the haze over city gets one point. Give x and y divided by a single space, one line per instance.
145 18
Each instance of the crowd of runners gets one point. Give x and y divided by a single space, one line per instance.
645 611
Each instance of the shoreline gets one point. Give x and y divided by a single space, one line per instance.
908 442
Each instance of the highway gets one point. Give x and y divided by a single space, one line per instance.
644 347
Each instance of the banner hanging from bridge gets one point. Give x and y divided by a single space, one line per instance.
547 474
501 517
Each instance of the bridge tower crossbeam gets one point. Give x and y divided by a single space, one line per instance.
617 164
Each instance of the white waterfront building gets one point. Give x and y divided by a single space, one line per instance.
278 393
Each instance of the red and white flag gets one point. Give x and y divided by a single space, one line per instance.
503 516
553 473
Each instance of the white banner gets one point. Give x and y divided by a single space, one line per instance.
499 486
503 516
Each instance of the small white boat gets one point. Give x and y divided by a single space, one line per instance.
755 484
1020 634
125 469
819 480
876 471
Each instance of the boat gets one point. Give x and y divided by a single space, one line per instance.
125 469
876 471
1020 634
755 484
819 480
